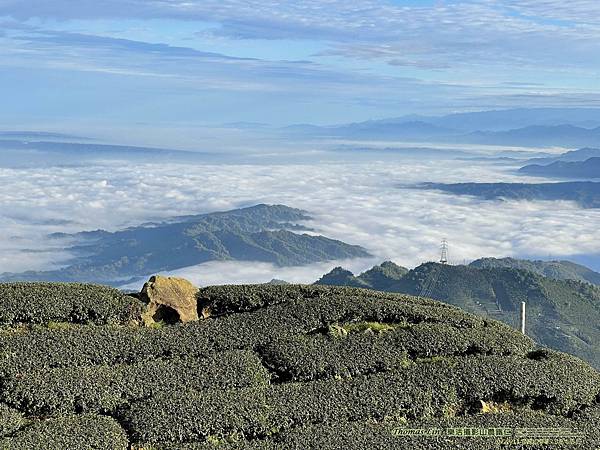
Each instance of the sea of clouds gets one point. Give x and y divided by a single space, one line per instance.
357 202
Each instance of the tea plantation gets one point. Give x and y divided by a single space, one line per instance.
280 367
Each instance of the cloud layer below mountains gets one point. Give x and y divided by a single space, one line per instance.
358 203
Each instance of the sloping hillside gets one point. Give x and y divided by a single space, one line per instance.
382 277
272 367
559 270
265 233
562 314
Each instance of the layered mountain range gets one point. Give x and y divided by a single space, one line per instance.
263 233
569 127
590 168
582 164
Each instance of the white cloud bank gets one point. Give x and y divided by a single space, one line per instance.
358 203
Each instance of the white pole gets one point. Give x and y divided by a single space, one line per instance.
523 317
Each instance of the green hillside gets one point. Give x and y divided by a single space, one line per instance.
341 277
276 367
382 277
562 314
559 270
264 233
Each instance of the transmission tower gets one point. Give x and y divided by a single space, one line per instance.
431 281
444 248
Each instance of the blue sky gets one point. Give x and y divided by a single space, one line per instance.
70 63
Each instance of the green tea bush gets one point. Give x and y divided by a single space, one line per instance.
102 389
281 367
82 432
109 345
65 302
381 435
235 299
388 434
312 300
426 389
315 356
10 420
82 346
261 412
559 384
182 416
349 356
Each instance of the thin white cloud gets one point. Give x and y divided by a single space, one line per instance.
240 272
484 44
575 11
489 29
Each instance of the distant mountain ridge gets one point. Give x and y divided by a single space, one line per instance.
562 313
581 154
585 193
590 168
577 127
540 135
534 136
509 119
411 130
259 233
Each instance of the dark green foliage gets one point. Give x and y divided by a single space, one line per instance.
102 389
194 416
85 346
310 307
558 270
296 367
383 275
264 312
562 313
70 432
420 391
10 420
380 277
341 277
259 233
386 435
318 355
41 303
229 299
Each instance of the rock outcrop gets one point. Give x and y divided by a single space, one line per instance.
170 300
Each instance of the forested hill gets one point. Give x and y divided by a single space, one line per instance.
562 314
265 233
381 278
559 270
